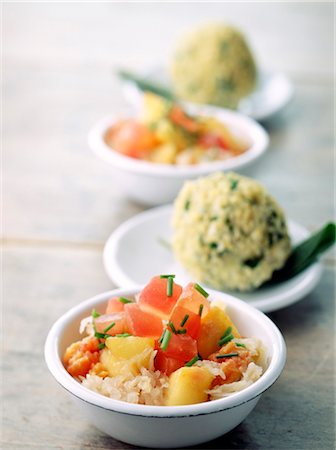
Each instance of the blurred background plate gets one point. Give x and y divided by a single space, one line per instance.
139 249
272 94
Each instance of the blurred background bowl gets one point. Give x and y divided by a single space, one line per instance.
155 184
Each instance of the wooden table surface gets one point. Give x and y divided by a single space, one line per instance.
61 204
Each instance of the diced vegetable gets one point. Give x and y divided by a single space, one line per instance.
131 138
103 324
154 297
181 347
114 306
165 363
213 326
142 323
188 385
192 299
183 318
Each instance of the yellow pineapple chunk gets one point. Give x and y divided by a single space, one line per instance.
188 385
127 347
213 326
125 356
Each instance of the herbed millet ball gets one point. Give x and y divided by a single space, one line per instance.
213 64
228 232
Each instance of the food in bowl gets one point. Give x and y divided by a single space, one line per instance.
213 64
228 232
166 134
168 346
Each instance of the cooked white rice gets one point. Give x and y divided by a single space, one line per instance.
150 386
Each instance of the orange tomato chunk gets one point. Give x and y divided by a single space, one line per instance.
114 305
154 299
105 320
166 364
142 323
191 325
181 347
192 299
131 138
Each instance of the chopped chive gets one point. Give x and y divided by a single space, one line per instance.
123 335
170 282
165 340
170 323
101 335
95 313
161 337
233 184
239 344
105 330
201 290
101 345
181 331
187 205
167 276
200 309
192 361
185 318
124 300
227 332
225 340
227 355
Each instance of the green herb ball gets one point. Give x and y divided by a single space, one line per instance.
228 232
213 64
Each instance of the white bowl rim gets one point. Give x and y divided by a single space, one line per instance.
259 137
57 369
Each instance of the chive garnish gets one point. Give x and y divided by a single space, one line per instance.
239 344
225 340
200 309
192 361
161 337
201 290
167 276
181 331
170 282
123 335
105 330
227 355
165 340
227 332
124 300
101 345
95 313
172 327
101 335
185 318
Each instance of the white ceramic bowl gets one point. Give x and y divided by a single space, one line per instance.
166 426
155 184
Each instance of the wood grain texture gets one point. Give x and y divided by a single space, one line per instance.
61 204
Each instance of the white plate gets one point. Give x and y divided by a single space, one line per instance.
272 93
134 253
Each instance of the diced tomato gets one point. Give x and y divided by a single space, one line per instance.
132 138
114 305
154 299
104 321
142 323
178 116
192 324
192 300
181 347
209 140
165 364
